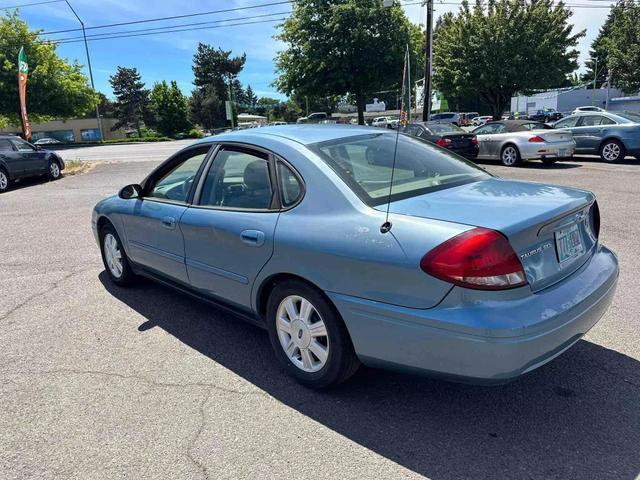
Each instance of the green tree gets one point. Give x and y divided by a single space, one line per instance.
498 49
599 50
623 46
214 71
251 98
55 87
170 107
336 47
132 98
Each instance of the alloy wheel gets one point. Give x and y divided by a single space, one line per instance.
113 255
4 181
509 156
611 152
302 333
54 170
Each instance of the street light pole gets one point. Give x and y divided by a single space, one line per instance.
426 104
86 48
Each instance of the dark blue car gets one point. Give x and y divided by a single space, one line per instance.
20 159
613 136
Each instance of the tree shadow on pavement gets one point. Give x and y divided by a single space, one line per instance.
577 417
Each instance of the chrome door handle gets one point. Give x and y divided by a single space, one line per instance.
255 238
169 222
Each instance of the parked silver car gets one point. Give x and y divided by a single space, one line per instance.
512 141
612 136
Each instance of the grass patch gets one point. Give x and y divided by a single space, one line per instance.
77 167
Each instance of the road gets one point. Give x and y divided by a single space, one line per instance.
131 152
102 382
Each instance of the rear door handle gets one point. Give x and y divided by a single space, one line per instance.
169 222
255 238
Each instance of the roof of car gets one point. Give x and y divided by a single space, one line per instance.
514 125
304 134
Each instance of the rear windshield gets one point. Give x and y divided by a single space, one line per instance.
444 128
364 164
441 116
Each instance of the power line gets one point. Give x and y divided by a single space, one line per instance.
116 36
173 17
31 4
165 29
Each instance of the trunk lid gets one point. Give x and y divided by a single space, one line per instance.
552 136
460 140
549 227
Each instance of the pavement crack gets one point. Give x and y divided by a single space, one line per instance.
619 377
154 383
50 289
189 452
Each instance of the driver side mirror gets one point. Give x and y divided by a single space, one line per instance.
130 191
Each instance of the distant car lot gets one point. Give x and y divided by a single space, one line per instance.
148 383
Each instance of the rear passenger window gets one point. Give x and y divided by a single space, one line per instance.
290 186
5 146
238 179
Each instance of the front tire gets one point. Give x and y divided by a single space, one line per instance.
5 183
612 151
308 336
114 258
54 170
510 156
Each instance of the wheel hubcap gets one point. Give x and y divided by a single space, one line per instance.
302 333
3 181
113 255
55 170
611 152
509 156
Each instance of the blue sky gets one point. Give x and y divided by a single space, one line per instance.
169 56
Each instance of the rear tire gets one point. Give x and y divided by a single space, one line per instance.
308 336
114 258
612 151
510 156
5 183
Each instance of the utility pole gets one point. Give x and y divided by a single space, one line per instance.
426 104
606 103
86 48
595 76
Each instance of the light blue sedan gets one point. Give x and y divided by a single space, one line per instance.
472 277
613 136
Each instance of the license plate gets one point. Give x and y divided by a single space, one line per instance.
568 243
562 152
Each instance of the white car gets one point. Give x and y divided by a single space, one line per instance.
47 141
479 121
380 122
588 108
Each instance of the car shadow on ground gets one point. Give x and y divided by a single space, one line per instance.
28 182
534 164
576 417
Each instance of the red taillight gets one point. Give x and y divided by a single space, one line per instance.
443 142
478 258
595 219
536 139
474 140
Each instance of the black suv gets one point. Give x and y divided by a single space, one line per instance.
20 159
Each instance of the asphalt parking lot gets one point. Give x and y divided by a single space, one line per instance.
102 382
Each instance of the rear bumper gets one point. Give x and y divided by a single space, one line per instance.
468 152
483 341
532 151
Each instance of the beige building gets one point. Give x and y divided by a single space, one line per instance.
72 130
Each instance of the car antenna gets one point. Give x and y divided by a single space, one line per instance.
405 117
